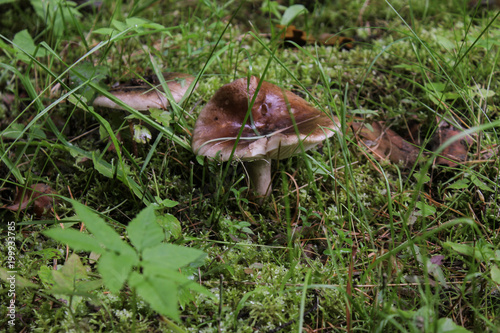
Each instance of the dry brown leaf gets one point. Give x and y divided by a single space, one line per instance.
292 34
8 99
491 152
334 40
301 38
456 152
38 195
385 144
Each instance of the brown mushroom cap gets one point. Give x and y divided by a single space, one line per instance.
144 95
221 119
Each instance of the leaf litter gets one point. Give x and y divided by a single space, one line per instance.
39 195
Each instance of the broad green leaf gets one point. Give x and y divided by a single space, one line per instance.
291 13
104 31
170 224
163 117
435 86
89 286
73 268
425 178
103 169
45 275
447 325
114 270
136 22
109 170
451 96
62 284
200 159
459 184
67 278
166 203
77 240
425 209
460 248
120 26
87 71
14 131
24 43
481 253
158 270
143 231
160 293
482 186
172 256
495 274
485 93
106 235
20 281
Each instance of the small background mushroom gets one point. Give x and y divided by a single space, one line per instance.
148 93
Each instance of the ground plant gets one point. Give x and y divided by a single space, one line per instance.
110 222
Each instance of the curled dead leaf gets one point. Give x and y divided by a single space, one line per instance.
39 195
327 39
301 38
385 144
456 152
292 34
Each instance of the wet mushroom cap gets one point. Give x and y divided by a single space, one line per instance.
221 119
144 95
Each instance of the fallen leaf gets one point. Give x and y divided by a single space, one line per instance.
490 152
385 144
301 38
38 195
8 99
327 39
456 152
292 34
437 260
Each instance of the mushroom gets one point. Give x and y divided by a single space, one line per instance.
146 94
280 124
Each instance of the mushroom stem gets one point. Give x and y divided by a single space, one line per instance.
259 172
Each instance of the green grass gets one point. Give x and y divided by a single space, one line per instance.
345 242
